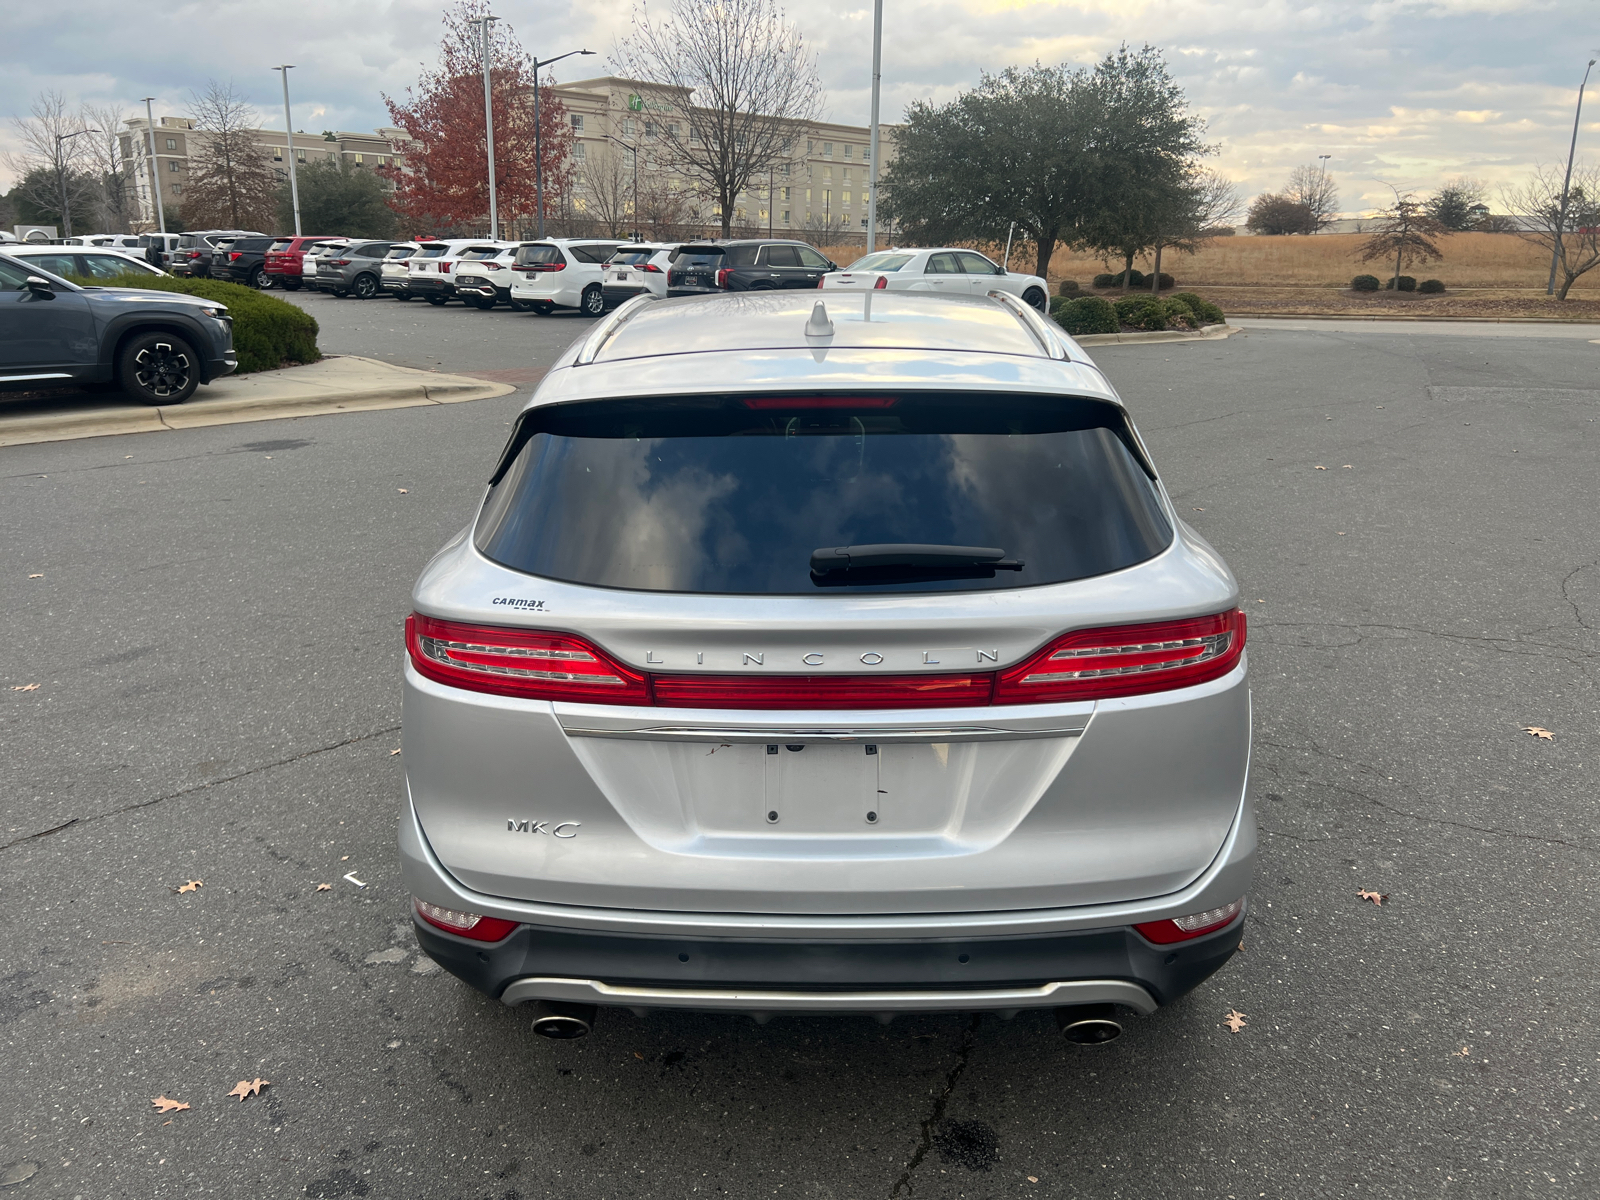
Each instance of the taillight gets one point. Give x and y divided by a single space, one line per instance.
822 691
464 924
340 262
444 266
493 266
722 276
650 267
883 282
233 254
1181 929
821 282
1126 660
520 662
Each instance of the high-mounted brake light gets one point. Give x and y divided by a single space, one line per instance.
520 662
464 924
763 403
1126 660
1182 929
883 282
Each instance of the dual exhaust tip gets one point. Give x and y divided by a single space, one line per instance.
1081 1024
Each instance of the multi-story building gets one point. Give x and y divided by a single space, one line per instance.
177 141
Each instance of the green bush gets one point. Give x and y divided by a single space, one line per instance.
267 332
1365 283
1086 314
1431 286
1167 282
1068 287
1206 313
1105 279
1142 313
1406 283
1178 313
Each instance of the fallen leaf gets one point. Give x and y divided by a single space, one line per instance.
395 751
39 576
26 687
1376 897
1341 533
324 887
344 858
1534 730
165 1105
636 1054
1349 467
193 885
402 491
351 877
1241 947
1033 1179
1463 1052
246 1087
1199 510
1234 1021
1319 468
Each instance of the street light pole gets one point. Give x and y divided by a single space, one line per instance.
538 141
877 79
155 164
1566 184
488 120
288 126
61 179
633 150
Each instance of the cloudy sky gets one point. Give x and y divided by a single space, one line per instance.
1405 92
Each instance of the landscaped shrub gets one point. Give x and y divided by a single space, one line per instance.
1084 315
1068 287
1406 283
1431 286
1167 282
1105 279
1142 313
1179 314
1365 283
1206 312
267 332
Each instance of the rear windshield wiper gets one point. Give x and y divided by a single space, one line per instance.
906 562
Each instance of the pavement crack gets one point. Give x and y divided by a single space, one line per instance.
271 766
925 1143
1576 611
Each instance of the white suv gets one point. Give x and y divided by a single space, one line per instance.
433 267
637 269
484 277
561 273
393 277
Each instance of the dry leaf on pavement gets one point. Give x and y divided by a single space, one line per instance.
246 1087
39 576
165 1105
324 887
1462 1053
1349 466
1234 1020
193 885
1533 730
1033 1179
402 491
393 752
26 687
1319 468
1376 897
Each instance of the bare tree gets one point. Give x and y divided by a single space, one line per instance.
53 165
1405 232
1311 187
732 86
608 190
1575 241
114 171
1210 200
231 180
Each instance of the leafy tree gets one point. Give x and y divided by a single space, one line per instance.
1453 204
337 198
1310 186
1276 215
1570 232
1404 232
231 181
445 183
1082 156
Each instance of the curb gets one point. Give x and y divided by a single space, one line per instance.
108 420
1210 333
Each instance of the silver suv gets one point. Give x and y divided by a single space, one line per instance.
827 658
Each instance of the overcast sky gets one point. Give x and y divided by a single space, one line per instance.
1406 92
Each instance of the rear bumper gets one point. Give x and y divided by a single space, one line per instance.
620 293
424 286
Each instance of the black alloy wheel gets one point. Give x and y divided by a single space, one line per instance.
1035 297
158 368
401 295
543 307
365 287
594 302
291 285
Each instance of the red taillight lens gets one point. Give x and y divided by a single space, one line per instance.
444 266
494 266
1126 660
233 254
520 662
463 924
1181 929
883 282
650 267
822 691
722 276
340 262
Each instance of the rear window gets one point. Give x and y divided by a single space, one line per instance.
592 254
480 253
882 261
399 252
279 246
250 245
430 251
532 256
732 495
630 257
689 256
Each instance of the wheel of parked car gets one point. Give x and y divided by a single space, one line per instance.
543 307
1035 297
158 368
521 305
259 278
365 287
437 301
594 302
341 292
485 303
402 295
291 285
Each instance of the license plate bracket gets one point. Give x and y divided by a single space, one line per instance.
821 789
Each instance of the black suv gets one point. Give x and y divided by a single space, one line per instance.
157 346
754 265
243 260
194 253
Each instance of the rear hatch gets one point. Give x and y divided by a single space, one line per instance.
695 266
727 717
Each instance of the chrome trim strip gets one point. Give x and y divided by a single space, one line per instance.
1047 995
22 378
1024 312
608 327
970 733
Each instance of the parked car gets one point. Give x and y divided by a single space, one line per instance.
758 264
194 253
881 680
285 258
639 268
244 260
157 346
561 273
484 277
309 255
432 268
158 248
946 270
84 262
393 277
117 241
353 271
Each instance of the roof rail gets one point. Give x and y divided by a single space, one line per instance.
1037 327
608 327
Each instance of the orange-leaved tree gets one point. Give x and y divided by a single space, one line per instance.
444 185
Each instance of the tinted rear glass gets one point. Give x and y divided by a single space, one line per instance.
732 495
529 256
629 257
250 245
884 260
282 244
689 256
430 252
398 252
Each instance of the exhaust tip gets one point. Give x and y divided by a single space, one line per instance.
1089 1024
562 1022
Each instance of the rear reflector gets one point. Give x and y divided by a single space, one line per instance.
822 691
1181 929
464 924
520 662
1127 660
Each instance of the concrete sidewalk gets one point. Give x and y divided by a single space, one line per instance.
342 383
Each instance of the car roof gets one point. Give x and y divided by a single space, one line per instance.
69 248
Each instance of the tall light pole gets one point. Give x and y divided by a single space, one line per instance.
1566 184
288 125
61 179
155 164
633 150
538 142
877 79
486 22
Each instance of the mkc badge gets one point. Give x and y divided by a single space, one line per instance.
515 826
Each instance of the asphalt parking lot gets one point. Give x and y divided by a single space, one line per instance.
212 618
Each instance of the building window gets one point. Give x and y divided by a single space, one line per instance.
786 216
866 153
627 126
277 154
672 129
847 151
172 165
579 152
577 122
810 146
827 149
844 198
580 205
359 160
763 215
785 193
300 156
784 169
172 143
177 189
808 195
649 129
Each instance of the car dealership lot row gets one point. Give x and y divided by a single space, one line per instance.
216 640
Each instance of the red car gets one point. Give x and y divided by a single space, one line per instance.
284 259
